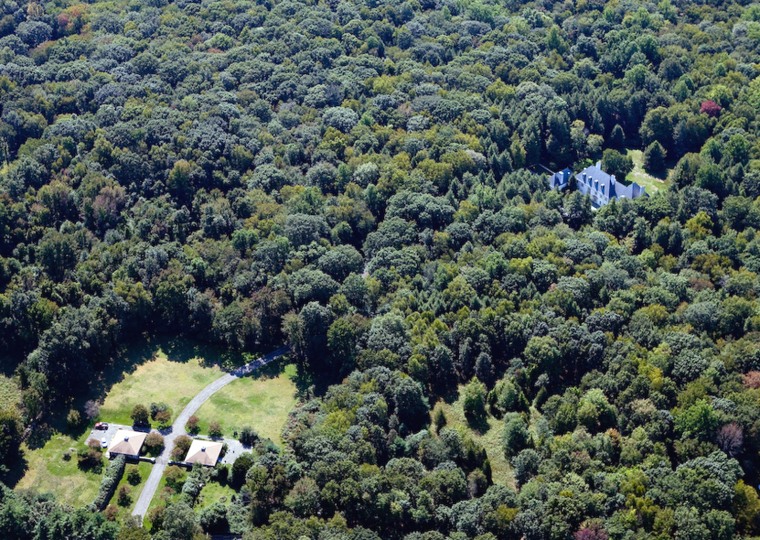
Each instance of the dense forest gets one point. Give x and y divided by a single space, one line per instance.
363 180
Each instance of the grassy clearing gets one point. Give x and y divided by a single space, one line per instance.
49 472
144 469
214 492
173 379
260 402
159 380
491 439
10 395
642 178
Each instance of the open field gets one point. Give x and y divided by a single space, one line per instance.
491 439
642 178
261 401
159 380
49 472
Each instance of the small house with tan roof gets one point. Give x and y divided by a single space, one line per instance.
204 452
126 442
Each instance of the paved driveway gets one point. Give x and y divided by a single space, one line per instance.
98 434
178 427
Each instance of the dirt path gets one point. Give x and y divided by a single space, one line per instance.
178 427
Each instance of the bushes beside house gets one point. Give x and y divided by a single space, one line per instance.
196 479
181 446
154 444
111 479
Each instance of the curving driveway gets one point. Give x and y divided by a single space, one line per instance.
178 427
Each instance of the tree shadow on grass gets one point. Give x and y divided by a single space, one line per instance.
479 424
14 470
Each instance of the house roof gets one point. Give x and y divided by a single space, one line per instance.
611 187
204 452
559 179
127 442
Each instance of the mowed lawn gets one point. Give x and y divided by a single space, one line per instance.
158 380
260 403
642 178
49 472
490 439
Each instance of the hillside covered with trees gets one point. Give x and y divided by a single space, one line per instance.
362 180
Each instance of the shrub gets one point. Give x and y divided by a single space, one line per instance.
111 479
181 446
133 477
73 419
475 402
91 409
240 468
90 458
214 429
175 477
195 481
111 512
248 437
164 419
140 416
156 408
124 497
220 474
154 443
156 516
192 425
439 418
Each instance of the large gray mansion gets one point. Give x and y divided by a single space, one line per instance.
597 184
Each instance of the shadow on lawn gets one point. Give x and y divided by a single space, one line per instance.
14 470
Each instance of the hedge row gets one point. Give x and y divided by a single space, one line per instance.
113 475
195 481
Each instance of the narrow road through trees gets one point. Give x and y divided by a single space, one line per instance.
178 427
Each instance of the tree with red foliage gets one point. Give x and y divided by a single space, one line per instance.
710 108
751 379
592 531
730 439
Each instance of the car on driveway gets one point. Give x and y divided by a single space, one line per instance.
103 443
101 425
